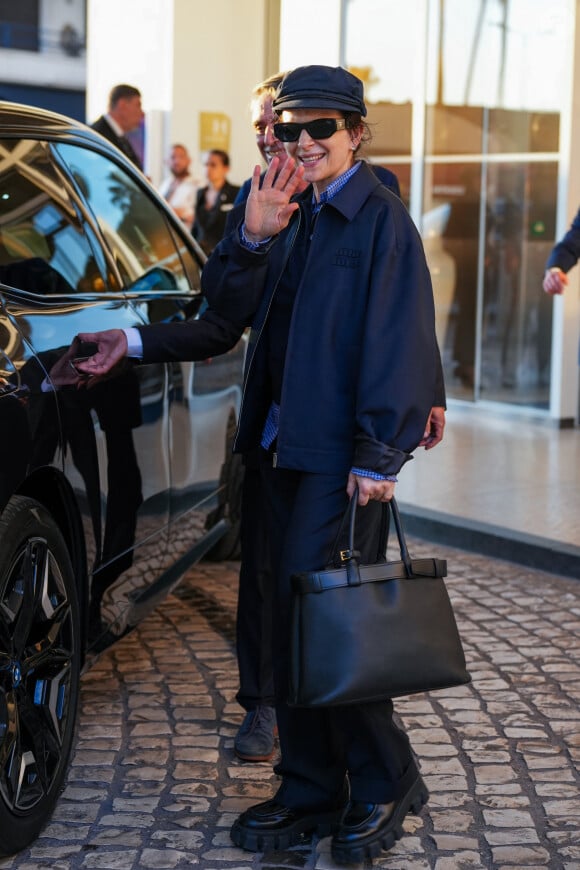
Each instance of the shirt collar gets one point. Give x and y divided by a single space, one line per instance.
112 123
334 187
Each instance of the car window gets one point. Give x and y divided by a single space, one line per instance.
43 248
132 223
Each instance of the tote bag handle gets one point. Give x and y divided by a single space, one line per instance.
352 556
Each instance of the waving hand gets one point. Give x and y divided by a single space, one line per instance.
268 208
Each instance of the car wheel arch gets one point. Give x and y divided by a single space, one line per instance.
49 487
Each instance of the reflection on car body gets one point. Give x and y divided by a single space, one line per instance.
106 494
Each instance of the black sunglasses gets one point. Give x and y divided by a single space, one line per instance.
320 128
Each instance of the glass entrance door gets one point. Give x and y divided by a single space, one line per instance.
489 228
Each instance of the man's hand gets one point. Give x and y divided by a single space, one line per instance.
268 208
64 373
369 489
111 352
554 281
434 428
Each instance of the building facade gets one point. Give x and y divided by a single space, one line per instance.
42 54
475 104
472 102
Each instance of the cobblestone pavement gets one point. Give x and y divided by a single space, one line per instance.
154 782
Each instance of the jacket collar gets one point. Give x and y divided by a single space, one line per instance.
353 195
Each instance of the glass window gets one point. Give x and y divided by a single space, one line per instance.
464 100
511 131
517 315
19 28
490 190
497 53
381 43
488 230
495 70
451 227
43 248
387 64
134 226
454 129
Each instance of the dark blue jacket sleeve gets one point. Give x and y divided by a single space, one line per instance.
234 291
440 400
394 398
566 253
190 340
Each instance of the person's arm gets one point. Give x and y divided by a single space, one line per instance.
563 256
397 376
184 341
189 340
233 279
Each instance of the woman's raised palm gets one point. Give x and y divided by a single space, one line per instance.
268 207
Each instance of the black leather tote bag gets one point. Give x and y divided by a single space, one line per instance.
363 633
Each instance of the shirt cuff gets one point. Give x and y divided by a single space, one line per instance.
134 342
252 246
374 475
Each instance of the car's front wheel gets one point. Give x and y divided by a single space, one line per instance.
40 655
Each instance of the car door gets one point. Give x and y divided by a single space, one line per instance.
160 278
111 442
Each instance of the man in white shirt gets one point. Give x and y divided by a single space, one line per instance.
180 188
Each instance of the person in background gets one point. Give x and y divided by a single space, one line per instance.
256 736
214 201
263 119
339 386
180 187
123 115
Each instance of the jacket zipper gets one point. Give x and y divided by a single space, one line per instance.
308 256
247 377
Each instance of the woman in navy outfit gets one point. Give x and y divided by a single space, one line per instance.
340 379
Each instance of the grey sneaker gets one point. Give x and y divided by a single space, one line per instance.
256 738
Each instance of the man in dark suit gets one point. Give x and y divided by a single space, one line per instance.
124 114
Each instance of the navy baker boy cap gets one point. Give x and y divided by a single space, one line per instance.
320 87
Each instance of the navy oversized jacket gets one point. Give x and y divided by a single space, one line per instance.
360 370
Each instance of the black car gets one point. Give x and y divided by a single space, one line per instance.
108 494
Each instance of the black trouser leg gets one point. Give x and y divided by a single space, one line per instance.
254 614
320 746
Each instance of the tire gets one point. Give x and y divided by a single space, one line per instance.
230 506
40 656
